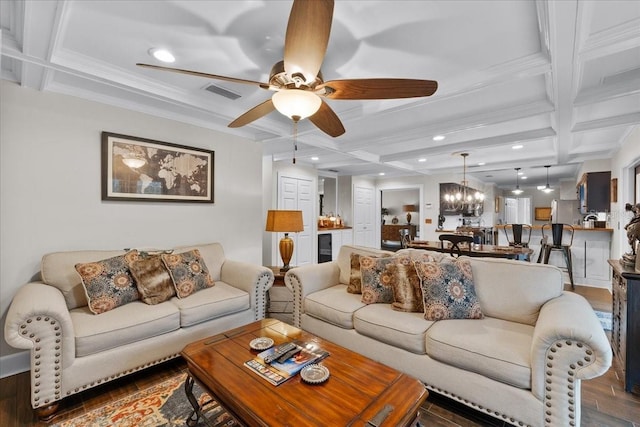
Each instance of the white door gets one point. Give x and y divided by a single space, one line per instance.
510 210
298 194
363 217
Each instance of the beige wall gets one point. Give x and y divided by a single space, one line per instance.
622 165
50 189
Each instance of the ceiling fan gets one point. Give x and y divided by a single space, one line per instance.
298 82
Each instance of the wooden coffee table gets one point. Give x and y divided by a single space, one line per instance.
357 389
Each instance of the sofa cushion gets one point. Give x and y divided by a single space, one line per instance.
495 348
344 258
108 283
188 272
377 277
210 303
333 305
152 280
516 300
448 290
129 323
399 329
211 253
58 269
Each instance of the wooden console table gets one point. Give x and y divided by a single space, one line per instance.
625 323
391 232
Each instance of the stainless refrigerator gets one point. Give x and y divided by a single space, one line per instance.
564 211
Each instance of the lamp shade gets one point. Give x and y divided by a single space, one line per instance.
284 221
409 208
296 103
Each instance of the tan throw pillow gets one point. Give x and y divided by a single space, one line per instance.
448 290
108 283
188 272
377 277
152 279
407 293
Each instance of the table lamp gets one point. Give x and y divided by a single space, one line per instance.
408 209
285 221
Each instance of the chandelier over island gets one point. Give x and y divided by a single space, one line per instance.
460 198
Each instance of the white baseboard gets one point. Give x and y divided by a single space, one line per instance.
14 364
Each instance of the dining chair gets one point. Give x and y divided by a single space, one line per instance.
457 241
405 237
561 240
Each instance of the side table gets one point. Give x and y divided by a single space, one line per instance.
280 304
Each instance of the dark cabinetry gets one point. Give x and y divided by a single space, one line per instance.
625 325
593 192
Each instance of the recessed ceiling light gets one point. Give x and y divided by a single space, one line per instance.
520 173
162 55
523 177
481 164
381 174
422 160
438 137
314 158
517 147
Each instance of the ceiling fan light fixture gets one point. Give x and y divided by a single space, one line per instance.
296 102
162 55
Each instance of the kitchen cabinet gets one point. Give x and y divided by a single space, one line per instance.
593 192
625 323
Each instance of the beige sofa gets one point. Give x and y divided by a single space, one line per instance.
73 349
522 363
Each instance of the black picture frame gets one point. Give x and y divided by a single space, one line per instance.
147 170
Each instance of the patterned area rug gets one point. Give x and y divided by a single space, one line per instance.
164 404
605 319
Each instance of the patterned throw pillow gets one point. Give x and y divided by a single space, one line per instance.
407 293
108 283
378 275
448 290
355 277
188 272
152 279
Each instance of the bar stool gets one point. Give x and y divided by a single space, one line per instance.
514 233
558 244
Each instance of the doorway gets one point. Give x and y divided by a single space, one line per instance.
392 207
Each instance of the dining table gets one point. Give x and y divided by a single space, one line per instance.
477 250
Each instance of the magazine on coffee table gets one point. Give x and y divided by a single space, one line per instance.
300 354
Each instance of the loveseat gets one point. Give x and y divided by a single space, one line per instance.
522 362
73 349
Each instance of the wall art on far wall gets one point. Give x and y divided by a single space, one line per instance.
146 170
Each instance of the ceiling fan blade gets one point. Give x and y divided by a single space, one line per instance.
253 114
327 121
307 37
207 75
378 88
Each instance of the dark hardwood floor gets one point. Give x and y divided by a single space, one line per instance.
604 402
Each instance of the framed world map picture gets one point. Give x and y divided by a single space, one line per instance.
146 170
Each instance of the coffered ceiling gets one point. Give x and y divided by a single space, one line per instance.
560 78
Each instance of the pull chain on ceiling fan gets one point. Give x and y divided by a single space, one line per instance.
298 82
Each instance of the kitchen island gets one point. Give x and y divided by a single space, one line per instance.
590 250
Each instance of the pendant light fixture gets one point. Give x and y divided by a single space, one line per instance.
517 190
547 189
